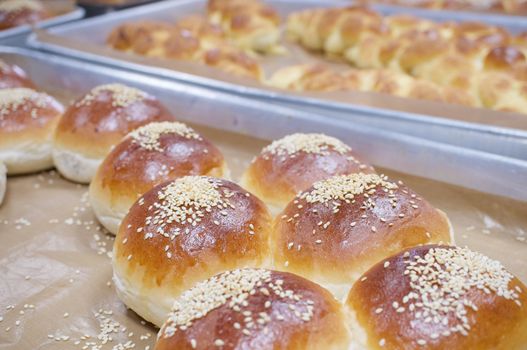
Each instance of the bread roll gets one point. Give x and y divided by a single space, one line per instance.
182 232
15 13
12 76
295 162
96 122
338 228
3 179
148 156
439 297
27 121
255 309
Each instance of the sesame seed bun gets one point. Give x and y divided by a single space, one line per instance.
255 309
98 121
294 163
27 121
15 13
182 232
3 179
338 228
12 76
439 297
148 156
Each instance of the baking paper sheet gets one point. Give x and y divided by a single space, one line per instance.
55 271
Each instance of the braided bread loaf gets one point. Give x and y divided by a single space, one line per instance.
462 55
250 24
317 77
191 39
515 7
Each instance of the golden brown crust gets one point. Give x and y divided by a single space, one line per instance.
389 302
131 168
311 319
250 24
25 12
169 257
449 55
27 115
12 76
99 120
191 39
279 172
335 240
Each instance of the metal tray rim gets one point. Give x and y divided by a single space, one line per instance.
511 169
76 13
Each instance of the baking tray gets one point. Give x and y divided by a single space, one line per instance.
490 131
17 35
56 290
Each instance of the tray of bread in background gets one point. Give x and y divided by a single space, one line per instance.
272 51
18 16
212 235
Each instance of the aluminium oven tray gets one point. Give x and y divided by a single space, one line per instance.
473 169
56 290
17 36
456 125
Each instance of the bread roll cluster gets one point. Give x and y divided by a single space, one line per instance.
191 39
513 7
14 13
224 38
354 260
486 62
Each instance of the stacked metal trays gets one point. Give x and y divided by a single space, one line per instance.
506 140
17 36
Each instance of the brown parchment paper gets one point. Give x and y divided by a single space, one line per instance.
91 41
55 271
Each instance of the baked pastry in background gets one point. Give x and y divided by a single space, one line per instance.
27 121
12 76
322 78
250 24
293 163
3 180
14 13
438 297
191 39
183 232
255 309
462 56
96 122
338 228
148 156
